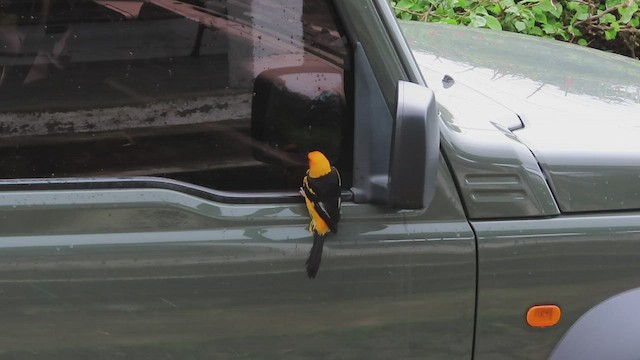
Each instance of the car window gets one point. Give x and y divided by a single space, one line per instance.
228 94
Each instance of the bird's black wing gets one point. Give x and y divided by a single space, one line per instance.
324 193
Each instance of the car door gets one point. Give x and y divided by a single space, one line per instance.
151 157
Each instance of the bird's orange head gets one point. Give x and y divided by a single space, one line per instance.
318 164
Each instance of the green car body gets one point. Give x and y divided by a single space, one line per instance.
508 216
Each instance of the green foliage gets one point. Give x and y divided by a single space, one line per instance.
600 23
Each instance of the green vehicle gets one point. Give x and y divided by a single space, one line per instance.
151 154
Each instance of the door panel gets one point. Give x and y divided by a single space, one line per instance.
155 273
193 91
574 262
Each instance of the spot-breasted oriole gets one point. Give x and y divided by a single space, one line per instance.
321 191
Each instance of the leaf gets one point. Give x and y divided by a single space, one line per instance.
612 32
626 12
582 15
527 13
558 11
506 3
480 10
615 25
582 42
554 9
607 18
406 16
512 10
495 9
563 33
536 31
573 31
548 29
546 5
418 8
520 26
452 4
541 17
477 21
582 11
492 22
612 3
530 22
449 21
405 4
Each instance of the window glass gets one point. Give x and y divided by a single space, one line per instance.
229 94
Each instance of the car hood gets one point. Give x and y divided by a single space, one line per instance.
577 109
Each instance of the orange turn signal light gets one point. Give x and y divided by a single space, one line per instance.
542 316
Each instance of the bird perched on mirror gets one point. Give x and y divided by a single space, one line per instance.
321 192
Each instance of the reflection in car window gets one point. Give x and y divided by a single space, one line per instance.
228 94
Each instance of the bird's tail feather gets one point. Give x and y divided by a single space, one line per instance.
315 255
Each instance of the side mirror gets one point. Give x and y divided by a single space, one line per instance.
415 148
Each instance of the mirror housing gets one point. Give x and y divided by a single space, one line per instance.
296 110
415 148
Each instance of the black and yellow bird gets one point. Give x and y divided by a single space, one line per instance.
321 191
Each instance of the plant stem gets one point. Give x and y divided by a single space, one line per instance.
595 17
407 10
